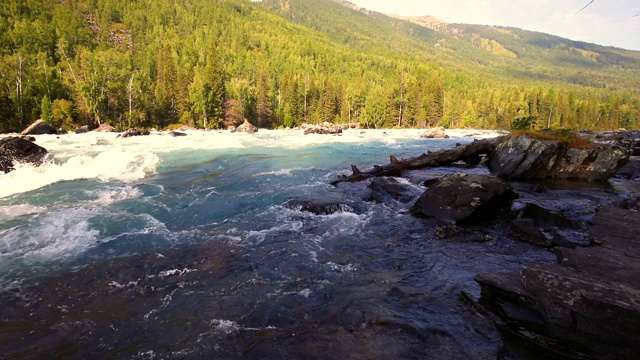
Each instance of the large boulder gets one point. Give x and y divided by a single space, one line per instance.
466 199
435 133
39 127
593 164
246 127
524 158
15 149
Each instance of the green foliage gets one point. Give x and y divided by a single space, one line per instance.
46 110
527 122
279 63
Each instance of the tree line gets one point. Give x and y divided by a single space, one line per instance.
214 63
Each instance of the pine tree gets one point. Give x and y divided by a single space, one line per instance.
215 79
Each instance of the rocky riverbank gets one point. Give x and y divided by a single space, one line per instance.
556 196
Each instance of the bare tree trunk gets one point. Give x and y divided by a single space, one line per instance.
470 152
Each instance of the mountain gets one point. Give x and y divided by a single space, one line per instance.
278 63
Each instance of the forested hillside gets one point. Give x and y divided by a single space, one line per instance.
279 63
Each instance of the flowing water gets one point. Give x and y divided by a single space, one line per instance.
168 248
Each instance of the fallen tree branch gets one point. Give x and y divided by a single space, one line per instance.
470 152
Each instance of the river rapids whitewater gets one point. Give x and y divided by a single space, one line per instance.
162 247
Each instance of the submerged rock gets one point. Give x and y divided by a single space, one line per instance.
39 127
318 206
466 199
15 149
246 127
385 188
176 133
524 157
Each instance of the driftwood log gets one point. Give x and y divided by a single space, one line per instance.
469 153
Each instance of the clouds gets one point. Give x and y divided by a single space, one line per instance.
605 22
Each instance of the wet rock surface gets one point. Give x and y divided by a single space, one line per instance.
387 189
320 206
587 305
466 199
15 149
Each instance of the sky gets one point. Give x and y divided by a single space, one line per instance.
604 22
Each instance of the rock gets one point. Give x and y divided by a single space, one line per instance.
246 127
435 133
62 131
105 128
39 127
385 188
527 230
631 170
134 132
586 306
176 133
82 129
524 158
323 129
594 164
466 199
15 149
318 206
548 228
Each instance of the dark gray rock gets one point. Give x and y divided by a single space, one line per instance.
548 228
39 127
466 199
15 149
384 189
593 164
631 170
527 230
176 133
318 206
62 131
586 306
134 132
524 158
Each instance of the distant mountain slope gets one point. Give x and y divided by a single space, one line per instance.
278 63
